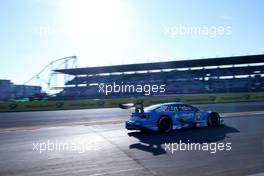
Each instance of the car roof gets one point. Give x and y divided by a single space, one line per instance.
171 103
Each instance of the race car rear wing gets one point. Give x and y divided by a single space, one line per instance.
138 106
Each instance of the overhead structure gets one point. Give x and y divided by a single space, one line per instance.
52 82
234 60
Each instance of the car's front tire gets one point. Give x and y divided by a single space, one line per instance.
213 119
165 124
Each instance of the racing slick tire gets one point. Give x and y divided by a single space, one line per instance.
213 119
165 124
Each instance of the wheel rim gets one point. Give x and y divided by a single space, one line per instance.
214 120
165 125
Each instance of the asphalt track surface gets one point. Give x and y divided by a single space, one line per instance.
94 116
109 149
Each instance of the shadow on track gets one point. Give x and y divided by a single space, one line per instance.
152 141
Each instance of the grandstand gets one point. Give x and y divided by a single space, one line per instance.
212 75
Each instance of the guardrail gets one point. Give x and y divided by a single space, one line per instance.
110 103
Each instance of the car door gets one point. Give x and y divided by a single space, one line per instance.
186 113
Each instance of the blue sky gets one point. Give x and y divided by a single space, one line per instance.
35 32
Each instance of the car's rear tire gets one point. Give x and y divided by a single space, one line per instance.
213 119
165 124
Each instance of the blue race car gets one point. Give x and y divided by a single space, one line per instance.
166 117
